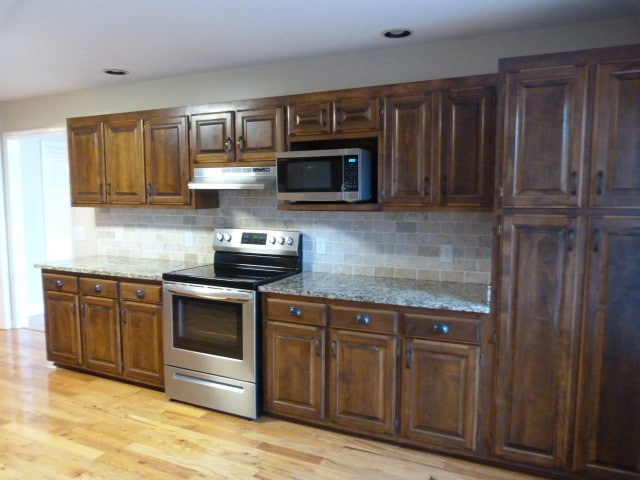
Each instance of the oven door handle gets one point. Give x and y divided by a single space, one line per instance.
209 293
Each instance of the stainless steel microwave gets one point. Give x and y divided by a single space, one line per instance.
339 175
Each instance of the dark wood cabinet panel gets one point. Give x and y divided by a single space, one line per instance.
615 175
537 338
141 325
86 168
295 370
100 326
62 325
212 138
467 146
608 429
544 144
409 150
124 160
167 161
260 134
440 384
356 115
309 119
362 381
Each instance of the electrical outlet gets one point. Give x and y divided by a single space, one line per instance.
79 233
188 239
321 246
446 253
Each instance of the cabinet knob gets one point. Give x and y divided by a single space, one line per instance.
58 283
440 328
363 319
97 288
140 293
295 311
240 144
228 144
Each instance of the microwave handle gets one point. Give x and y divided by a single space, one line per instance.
209 293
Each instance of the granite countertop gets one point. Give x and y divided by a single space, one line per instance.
142 268
463 297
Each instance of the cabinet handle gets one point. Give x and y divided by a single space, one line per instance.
323 122
409 356
340 116
572 240
97 288
100 186
441 328
334 348
295 311
140 293
574 183
443 188
228 145
596 240
427 184
600 182
58 283
363 319
240 144
123 317
108 188
317 347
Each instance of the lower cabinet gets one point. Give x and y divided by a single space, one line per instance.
104 326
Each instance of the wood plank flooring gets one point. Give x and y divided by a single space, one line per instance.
61 424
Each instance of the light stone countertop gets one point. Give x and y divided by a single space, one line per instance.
463 297
142 268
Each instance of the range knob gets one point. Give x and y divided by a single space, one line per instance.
219 237
227 237
281 240
289 241
271 239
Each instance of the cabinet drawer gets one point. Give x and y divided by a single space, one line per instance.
141 292
363 319
99 287
442 328
299 312
60 283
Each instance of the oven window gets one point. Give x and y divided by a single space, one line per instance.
208 326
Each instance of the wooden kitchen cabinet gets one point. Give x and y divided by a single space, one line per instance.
608 419
124 161
62 319
249 136
87 170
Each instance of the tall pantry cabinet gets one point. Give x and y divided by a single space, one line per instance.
567 389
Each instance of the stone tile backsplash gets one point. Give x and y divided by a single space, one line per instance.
385 244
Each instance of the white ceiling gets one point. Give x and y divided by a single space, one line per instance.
54 46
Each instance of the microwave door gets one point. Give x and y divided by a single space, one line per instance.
317 179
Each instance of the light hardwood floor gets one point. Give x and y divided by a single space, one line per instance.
59 424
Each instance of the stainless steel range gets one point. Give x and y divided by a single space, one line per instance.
212 319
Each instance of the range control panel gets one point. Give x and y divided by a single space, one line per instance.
272 242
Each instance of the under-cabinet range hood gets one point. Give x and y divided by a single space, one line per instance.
233 178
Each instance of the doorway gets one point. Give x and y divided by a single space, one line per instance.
39 225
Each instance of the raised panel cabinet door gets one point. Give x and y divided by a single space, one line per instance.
409 150
544 138
608 418
295 370
440 394
101 335
362 381
86 164
167 161
467 146
615 174
62 327
212 137
259 134
538 318
141 325
356 115
309 119
124 159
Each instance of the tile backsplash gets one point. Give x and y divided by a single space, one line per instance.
432 246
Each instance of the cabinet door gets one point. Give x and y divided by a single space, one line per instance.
212 136
167 161
294 374
409 150
259 134
362 381
544 137
101 335
141 325
440 394
309 119
467 147
62 326
86 164
615 179
124 159
537 347
356 115
608 429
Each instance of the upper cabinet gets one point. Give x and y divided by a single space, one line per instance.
252 135
570 129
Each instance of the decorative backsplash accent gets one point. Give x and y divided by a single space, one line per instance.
384 244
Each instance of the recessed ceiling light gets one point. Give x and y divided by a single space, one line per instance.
115 71
397 33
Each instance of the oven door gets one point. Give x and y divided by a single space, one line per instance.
210 330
